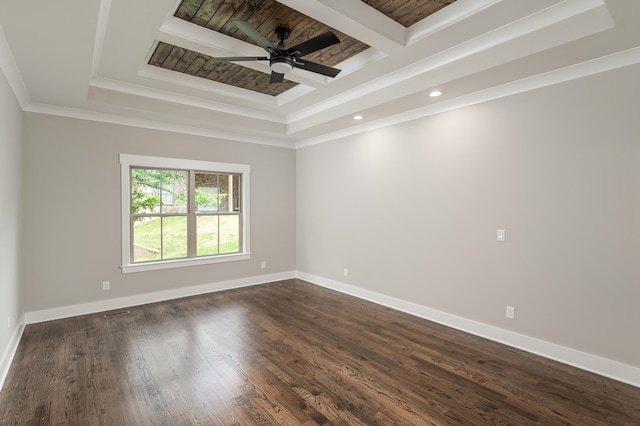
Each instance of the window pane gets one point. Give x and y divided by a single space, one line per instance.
147 243
174 237
145 191
174 191
229 193
206 192
235 195
229 234
207 235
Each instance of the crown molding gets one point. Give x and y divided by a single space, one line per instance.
116 88
572 72
584 69
143 123
545 29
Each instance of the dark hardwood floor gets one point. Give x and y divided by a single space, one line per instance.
290 353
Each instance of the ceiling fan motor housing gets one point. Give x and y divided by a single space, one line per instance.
282 32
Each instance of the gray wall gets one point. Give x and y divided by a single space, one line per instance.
10 201
72 210
412 211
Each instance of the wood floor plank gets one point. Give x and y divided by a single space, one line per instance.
290 353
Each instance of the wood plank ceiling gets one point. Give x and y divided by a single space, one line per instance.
408 12
265 16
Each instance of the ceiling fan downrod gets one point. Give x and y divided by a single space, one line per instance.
282 33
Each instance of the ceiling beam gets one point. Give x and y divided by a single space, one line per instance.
357 19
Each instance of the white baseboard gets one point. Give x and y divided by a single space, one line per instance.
141 299
10 352
583 360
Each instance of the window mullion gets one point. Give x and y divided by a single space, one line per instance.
161 216
191 217
130 213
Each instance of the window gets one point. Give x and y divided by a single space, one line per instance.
182 212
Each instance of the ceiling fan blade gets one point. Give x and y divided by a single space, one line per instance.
314 44
254 35
243 58
317 68
276 77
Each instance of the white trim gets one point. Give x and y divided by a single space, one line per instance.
561 75
101 31
158 296
182 163
143 123
484 43
446 17
605 367
595 364
151 71
10 351
11 72
128 160
356 19
180 263
595 66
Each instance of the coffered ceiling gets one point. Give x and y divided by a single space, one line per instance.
151 63
265 16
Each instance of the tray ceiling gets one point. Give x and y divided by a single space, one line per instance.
150 62
265 16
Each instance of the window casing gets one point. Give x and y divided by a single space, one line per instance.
178 212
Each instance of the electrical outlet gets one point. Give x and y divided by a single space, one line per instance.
511 312
105 285
346 272
263 264
501 235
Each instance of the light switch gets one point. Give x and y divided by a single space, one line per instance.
502 236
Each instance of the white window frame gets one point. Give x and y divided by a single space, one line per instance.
128 160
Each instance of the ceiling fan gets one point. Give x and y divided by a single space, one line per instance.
282 59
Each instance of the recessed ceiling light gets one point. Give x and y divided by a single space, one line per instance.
436 93
358 117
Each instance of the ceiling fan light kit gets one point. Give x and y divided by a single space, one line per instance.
282 59
281 65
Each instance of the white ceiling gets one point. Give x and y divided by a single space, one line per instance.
88 59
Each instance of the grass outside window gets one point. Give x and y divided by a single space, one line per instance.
212 238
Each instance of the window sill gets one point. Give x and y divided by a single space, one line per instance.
180 263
